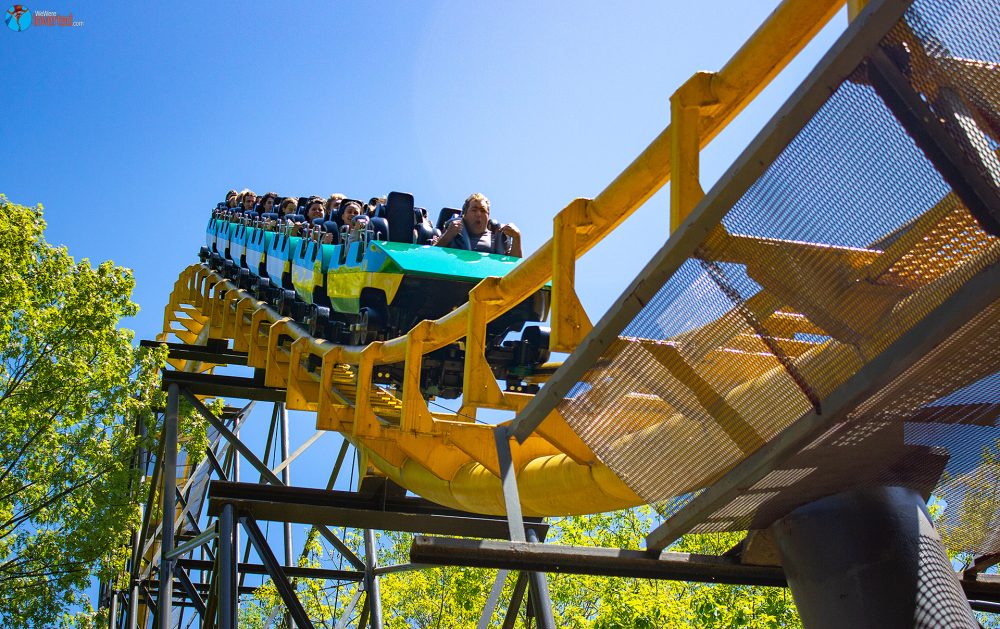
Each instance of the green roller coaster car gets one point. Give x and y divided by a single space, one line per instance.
368 290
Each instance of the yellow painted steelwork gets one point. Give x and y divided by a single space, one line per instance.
452 460
785 32
344 286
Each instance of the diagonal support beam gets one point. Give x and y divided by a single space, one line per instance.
302 448
231 437
267 474
973 297
203 538
516 598
978 194
191 590
492 600
346 616
539 591
285 589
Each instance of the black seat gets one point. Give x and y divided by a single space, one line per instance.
424 233
447 214
380 228
331 227
399 213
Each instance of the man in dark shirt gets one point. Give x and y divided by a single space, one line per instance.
473 231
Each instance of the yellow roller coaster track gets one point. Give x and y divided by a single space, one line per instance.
448 458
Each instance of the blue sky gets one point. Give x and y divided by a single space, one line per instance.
131 127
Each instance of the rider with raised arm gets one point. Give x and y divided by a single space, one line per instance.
475 231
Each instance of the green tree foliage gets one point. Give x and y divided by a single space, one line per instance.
324 603
68 378
966 528
454 597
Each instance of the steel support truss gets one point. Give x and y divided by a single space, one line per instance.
208 574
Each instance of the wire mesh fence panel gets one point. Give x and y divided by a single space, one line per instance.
849 237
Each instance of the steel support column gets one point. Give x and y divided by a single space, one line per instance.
167 493
113 610
371 580
286 478
870 558
226 574
539 587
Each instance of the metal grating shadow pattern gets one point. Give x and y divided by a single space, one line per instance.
858 228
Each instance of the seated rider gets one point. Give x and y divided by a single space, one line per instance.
316 209
266 203
474 230
333 205
247 200
348 210
288 206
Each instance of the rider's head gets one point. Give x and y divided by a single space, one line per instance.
476 213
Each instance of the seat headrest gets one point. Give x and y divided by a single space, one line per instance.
295 218
251 215
400 214
318 222
447 214
270 216
399 199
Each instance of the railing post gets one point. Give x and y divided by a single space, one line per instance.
364 422
416 417
479 387
570 322
685 145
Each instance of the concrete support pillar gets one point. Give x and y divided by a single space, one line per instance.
870 558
